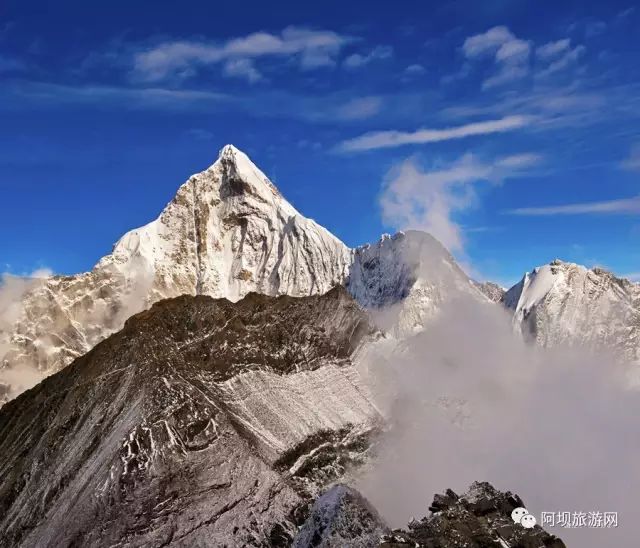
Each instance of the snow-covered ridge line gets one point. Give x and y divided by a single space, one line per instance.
228 232
567 303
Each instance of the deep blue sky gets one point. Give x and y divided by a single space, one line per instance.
531 112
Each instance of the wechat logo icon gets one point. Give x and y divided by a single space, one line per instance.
523 517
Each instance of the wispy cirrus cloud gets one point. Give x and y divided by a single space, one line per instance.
360 108
182 58
625 206
560 59
553 49
510 54
512 57
145 98
357 60
388 139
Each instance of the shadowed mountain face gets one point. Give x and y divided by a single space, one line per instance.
201 419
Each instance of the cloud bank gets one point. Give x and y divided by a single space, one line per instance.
468 401
182 58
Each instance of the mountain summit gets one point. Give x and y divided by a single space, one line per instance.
227 232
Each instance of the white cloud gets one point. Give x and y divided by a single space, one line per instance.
388 139
511 54
553 49
633 276
360 108
513 51
414 70
626 12
12 290
358 60
414 198
519 161
242 68
626 206
568 58
488 42
312 48
135 98
507 73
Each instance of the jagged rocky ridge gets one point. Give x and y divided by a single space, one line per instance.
227 232
202 422
480 518
210 423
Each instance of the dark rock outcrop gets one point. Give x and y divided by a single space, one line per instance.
481 518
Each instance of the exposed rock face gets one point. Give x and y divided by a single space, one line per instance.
481 518
565 303
407 277
201 419
492 291
341 517
227 232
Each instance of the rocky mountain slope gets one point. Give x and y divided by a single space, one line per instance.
201 419
227 232
341 517
210 423
566 303
492 291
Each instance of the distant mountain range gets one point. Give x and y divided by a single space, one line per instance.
229 231
205 384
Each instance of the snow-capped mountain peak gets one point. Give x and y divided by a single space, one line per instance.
567 303
408 276
227 232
